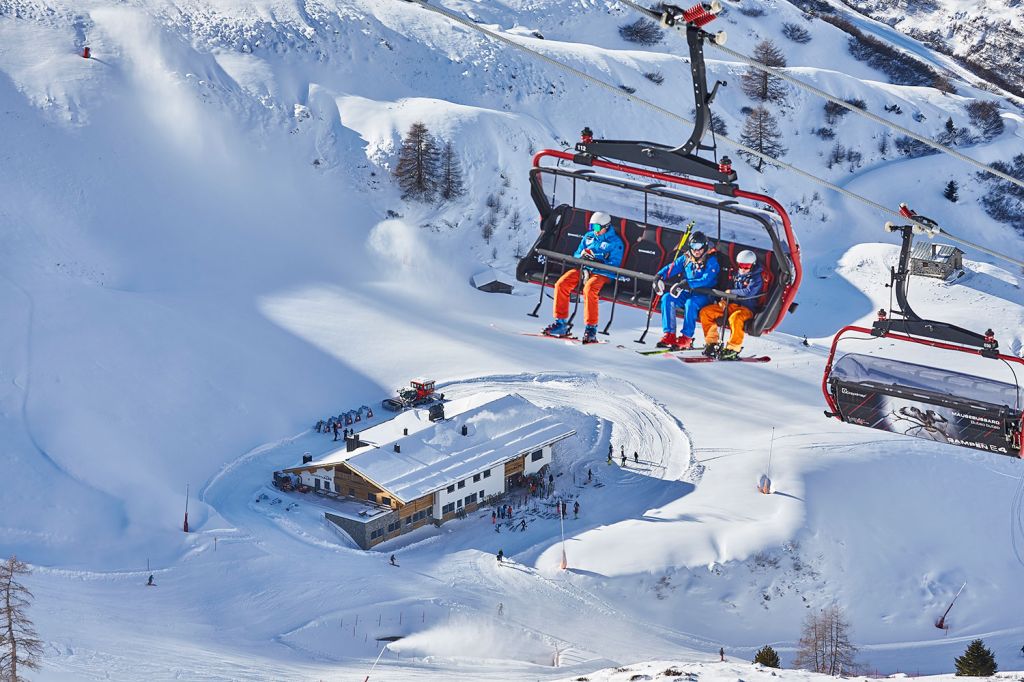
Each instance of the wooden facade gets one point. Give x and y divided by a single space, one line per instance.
515 466
348 482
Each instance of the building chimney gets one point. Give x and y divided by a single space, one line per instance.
352 442
398 448
465 430
307 458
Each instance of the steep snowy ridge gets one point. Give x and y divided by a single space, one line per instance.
202 251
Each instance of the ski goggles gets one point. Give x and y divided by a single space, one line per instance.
744 266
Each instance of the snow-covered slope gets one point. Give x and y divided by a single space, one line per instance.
203 252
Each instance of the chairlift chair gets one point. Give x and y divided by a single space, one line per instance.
653 176
925 401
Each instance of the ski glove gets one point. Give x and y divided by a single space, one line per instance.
679 287
659 285
587 255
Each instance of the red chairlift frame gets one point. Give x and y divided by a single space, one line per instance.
790 290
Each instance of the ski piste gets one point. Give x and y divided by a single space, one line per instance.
747 358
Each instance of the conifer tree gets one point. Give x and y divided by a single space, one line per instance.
20 647
451 173
761 132
759 85
767 657
977 661
952 191
418 165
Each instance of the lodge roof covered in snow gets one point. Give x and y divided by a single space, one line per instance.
435 454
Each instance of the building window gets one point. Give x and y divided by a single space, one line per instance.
539 454
476 478
448 508
316 483
352 492
481 495
451 488
462 484
327 485
371 497
458 503
487 474
385 500
470 499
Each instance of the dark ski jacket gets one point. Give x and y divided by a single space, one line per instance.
747 286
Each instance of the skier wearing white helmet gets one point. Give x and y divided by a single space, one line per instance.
601 245
746 285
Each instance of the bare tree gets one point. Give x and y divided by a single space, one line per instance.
418 162
824 645
20 646
761 132
760 85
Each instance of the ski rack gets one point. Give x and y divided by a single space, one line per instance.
910 323
679 159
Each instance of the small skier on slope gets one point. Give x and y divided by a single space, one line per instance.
695 268
745 284
601 245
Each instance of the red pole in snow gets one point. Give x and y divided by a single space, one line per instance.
86 53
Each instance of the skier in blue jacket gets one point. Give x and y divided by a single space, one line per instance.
602 245
696 268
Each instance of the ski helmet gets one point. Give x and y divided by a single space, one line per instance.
746 259
698 241
601 218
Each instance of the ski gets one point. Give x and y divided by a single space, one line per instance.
663 351
571 339
747 358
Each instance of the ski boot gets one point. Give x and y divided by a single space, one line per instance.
590 334
729 354
667 341
711 350
559 327
684 342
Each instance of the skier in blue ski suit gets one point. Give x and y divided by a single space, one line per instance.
699 269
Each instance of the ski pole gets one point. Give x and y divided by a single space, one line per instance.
579 295
654 297
615 299
543 283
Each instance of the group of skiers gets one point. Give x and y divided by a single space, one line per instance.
680 284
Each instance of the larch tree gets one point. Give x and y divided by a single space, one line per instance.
824 645
451 184
419 163
20 646
761 132
760 85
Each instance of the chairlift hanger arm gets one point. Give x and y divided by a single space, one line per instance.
910 322
680 159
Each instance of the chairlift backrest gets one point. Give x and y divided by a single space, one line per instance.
928 402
